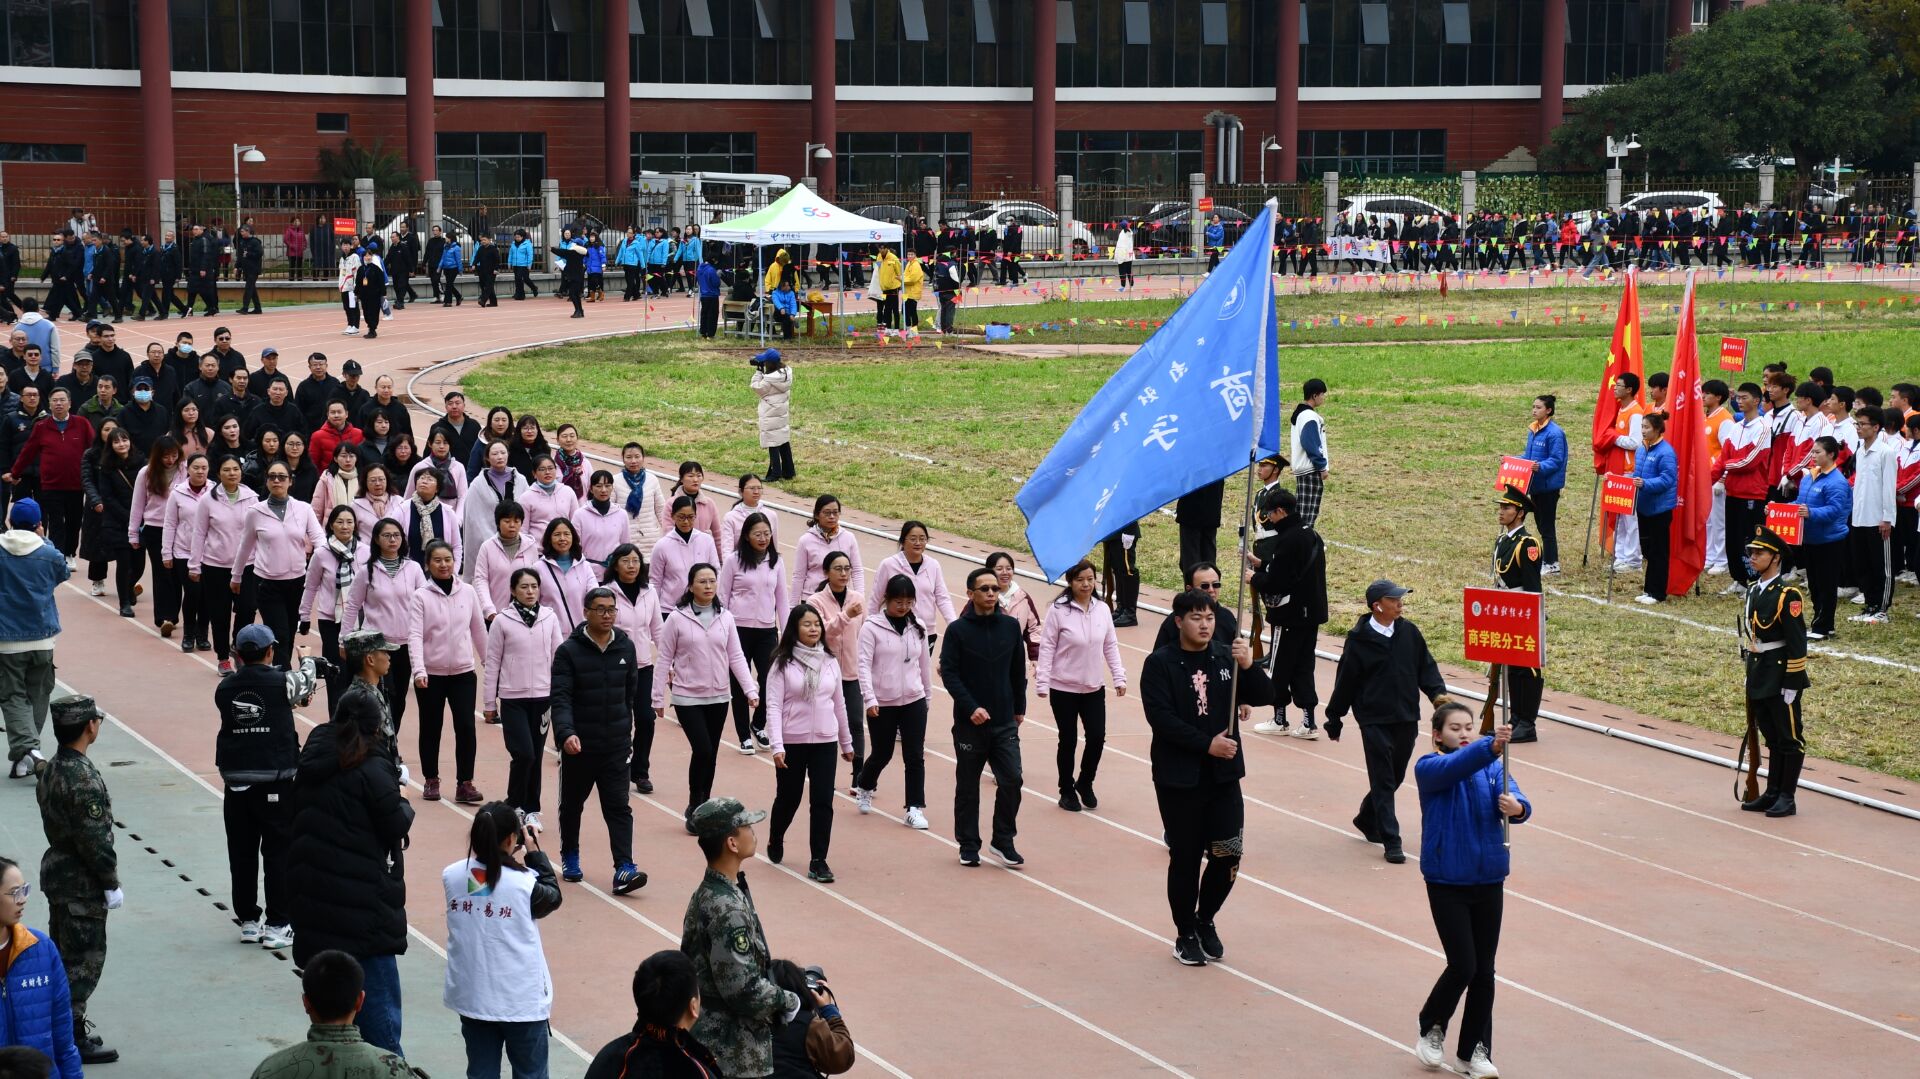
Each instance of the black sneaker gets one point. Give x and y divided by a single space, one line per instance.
1186 948
1085 791
1126 618
1371 835
643 785
1069 800
969 858
1396 855
818 871
1008 856
1210 941
776 850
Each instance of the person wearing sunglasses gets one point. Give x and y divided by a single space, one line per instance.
983 664
38 1002
1201 577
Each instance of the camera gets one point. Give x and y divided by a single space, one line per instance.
816 978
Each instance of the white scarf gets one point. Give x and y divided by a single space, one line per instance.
811 659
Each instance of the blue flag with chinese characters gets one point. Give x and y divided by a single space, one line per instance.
1182 413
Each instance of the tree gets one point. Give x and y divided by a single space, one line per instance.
388 170
1676 139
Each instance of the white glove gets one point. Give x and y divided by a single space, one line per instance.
1720 488
1126 542
1788 695
115 897
406 776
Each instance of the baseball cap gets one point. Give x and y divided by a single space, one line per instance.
253 641
1384 589
351 367
269 351
25 515
718 817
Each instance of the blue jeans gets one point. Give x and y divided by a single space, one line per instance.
379 1018
525 1043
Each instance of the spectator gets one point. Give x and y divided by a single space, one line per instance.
295 240
497 980
1547 449
1309 451
815 1041
773 384
666 999
38 1015
333 991
30 570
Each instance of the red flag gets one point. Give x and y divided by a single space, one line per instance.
1687 555
1623 355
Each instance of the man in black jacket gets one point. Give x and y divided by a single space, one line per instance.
9 274
573 269
168 264
1189 692
399 420
983 664
1289 575
1382 672
596 675
66 270
315 390
436 245
248 255
258 753
1201 577
276 411
486 266
208 391
103 285
203 271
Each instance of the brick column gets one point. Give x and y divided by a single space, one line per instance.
420 142
156 103
826 118
1679 23
1045 82
1553 69
617 98
1286 92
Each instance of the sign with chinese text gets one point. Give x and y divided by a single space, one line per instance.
1784 519
1616 494
345 226
1505 627
1733 354
1517 471
1204 204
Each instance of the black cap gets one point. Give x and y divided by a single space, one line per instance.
1384 589
1766 539
1514 496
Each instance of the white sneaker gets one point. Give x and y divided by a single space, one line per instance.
1308 734
1907 577
1645 599
864 799
533 824
276 937
1481 1066
1857 598
72 565
917 818
97 588
1550 569
1734 589
250 932
1874 618
1268 726
350 331
1431 1049
1814 635
22 768
746 747
1849 592
1716 569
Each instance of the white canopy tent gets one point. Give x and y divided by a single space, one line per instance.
802 217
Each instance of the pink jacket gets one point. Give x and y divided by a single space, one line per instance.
599 533
368 513
435 619
565 593
541 508
811 552
895 668
176 532
493 572
321 597
694 660
757 597
520 658
706 515
1074 645
217 524
323 494
378 601
456 487
930 595
640 620
277 548
147 509
737 516
843 629
796 718
674 557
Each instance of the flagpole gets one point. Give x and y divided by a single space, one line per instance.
1247 517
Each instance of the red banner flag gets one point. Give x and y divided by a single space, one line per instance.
1617 494
1733 354
1784 519
1504 627
1687 554
1623 355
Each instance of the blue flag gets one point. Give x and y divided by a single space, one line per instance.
1182 413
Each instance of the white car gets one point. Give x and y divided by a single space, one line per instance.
1039 227
1701 204
1398 209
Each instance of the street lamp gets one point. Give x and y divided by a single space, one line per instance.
816 151
252 156
1268 145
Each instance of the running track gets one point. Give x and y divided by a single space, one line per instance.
1651 929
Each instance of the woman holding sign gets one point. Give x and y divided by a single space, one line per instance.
1547 449
1656 478
1825 503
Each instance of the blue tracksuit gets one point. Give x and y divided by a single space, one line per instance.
1659 474
1829 502
596 258
520 254
691 250
1460 815
1548 446
631 252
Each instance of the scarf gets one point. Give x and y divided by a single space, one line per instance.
502 481
529 615
636 490
569 465
423 519
338 481
343 572
811 658
278 506
549 488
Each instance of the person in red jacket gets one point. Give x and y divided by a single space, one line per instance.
332 433
56 445
1745 471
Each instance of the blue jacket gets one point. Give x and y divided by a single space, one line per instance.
1216 235
1829 502
785 302
30 569
660 253
631 252
1548 446
450 258
691 250
1659 473
596 258
520 253
709 279
1460 815
36 1009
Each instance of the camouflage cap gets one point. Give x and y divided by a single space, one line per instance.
73 710
359 644
717 817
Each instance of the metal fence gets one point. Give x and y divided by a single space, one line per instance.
36 219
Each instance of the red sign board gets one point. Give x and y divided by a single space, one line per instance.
1517 471
1784 519
1616 494
1733 354
1205 204
345 226
1505 627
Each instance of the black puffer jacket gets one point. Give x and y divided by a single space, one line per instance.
346 870
1381 678
593 692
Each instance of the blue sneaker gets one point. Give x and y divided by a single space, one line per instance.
628 879
570 866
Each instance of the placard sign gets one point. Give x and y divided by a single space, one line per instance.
1784 519
346 226
1616 494
1733 354
1204 204
1505 627
1517 471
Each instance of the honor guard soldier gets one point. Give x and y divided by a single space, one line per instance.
740 1006
1516 567
79 872
1773 643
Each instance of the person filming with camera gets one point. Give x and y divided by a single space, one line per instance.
815 1042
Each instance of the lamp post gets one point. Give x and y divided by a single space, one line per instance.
252 156
816 151
1268 145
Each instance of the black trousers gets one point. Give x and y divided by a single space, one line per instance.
216 595
632 289
1467 917
206 286
1198 544
1070 710
127 568
250 296
911 320
581 773
1293 662
1525 685
976 749
810 768
758 646
1906 540
487 297
1872 558
259 824
1824 563
573 288
369 306
351 306
280 611
449 291
193 606
1743 516
643 724
398 684
166 592
1204 821
946 312
1126 274
444 692
702 724
888 315
293 266
1656 537
1388 747
167 299
780 462
523 723
403 288
341 677
61 514
522 283
65 295
1117 558
709 316
856 721
1546 518
909 723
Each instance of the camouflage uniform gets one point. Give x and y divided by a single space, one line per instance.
79 867
739 1003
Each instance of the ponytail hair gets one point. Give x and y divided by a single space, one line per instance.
1441 713
492 823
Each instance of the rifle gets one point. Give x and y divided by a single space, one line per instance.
1493 700
1749 758
1259 631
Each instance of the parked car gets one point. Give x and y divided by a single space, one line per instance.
577 220
1040 227
1174 228
1398 209
891 214
1699 203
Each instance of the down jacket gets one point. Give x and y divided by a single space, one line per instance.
594 690
39 1011
774 388
346 867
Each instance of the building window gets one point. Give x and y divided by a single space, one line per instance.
1139 24
514 39
1128 158
1373 24
1166 43
490 162
935 43
1459 19
868 162
1614 40
287 37
1421 43
1352 153
1064 30
330 123
681 152
729 42
65 33
1213 24
983 22
44 153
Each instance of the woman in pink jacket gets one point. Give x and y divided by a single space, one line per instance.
602 524
841 610
638 614
824 536
896 680
279 535
176 550
750 491
218 522
931 601
519 686
340 482
807 724
546 498
152 489
1078 651
699 647
706 512
376 501
379 600
445 632
683 547
506 550
755 591
565 577
330 575
1015 601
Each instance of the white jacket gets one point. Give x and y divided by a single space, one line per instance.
774 388
496 970
1123 247
1874 473
642 531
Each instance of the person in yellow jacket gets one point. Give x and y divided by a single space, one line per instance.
887 277
915 277
781 262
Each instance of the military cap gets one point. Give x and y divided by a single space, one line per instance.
73 710
718 817
359 644
1514 496
1766 539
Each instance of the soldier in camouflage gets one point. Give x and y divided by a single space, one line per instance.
79 872
740 1006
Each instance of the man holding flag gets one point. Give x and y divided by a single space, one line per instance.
1693 486
1616 422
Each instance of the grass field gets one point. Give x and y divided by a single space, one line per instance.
1415 431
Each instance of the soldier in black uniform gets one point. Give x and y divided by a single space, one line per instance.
1516 566
1773 644
1117 556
